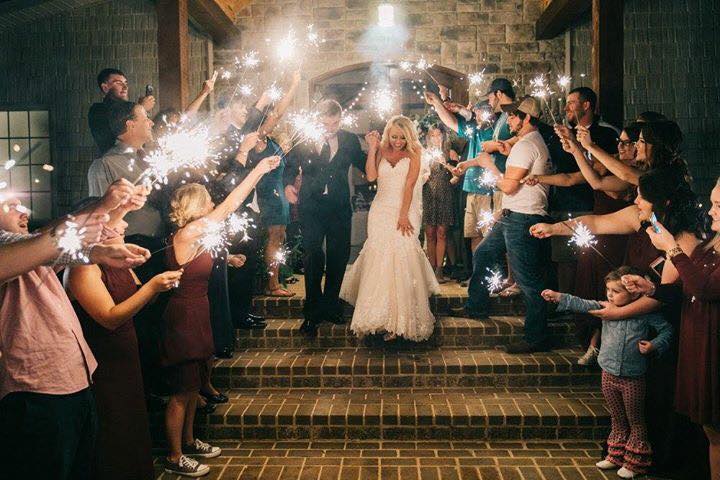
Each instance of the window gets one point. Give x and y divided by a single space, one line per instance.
25 160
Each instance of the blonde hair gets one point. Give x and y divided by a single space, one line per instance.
407 127
188 203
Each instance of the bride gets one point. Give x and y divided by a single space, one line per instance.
391 280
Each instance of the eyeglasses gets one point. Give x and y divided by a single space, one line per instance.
625 143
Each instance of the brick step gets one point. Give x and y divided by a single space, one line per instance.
410 414
416 367
451 298
406 460
449 331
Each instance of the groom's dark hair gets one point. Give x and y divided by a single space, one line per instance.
329 108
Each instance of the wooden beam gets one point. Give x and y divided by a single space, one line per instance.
218 17
173 53
607 58
558 16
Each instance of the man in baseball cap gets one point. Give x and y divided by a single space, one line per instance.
523 205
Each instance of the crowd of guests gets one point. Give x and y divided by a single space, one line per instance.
80 360
645 297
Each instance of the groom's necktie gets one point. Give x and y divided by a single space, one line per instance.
325 152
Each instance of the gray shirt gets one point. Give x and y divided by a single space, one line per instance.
619 352
122 161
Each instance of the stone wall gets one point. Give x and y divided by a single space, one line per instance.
671 66
465 35
53 62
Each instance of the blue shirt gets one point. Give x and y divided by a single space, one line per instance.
619 352
476 136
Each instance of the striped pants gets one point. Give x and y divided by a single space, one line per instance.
628 444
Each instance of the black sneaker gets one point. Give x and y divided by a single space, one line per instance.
187 467
201 449
524 347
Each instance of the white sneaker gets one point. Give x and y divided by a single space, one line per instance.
606 465
590 357
201 449
625 473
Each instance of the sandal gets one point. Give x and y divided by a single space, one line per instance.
511 291
279 292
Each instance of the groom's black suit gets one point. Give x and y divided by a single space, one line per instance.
325 215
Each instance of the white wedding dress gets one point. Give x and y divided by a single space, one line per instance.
390 282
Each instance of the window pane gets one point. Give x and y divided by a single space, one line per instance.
19 124
39 124
19 151
41 206
3 124
4 152
39 151
40 179
20 179
4 177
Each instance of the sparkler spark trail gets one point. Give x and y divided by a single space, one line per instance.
348 120
306 126
383 101
281 256
477 78
214 238
245 90
274 93
251 59
487 219
240 224
469 131
226 74
285 48
583 237
494 281
70 240
487 179
541 90
432 155
564 82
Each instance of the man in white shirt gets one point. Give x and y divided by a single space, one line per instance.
522 206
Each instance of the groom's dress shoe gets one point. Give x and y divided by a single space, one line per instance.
256 318
337 319
249 323
309 328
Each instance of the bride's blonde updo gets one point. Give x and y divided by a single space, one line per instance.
407 127
188 203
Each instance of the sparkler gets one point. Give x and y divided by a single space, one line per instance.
564 82
245 90
476 78
240 223
306 127
494 281
286 47
487 179
541 90
348 120
251 59
486 117
432 155
487 219
274 93
469 131
583 237
281 256
70 240
214 238
383 101
226 74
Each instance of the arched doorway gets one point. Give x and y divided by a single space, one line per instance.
352 85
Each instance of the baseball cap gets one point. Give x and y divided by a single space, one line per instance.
527 104
502 84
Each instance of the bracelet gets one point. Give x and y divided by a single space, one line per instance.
675 251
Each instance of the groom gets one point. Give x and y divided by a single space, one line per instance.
325 213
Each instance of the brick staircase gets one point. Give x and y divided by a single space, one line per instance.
455 407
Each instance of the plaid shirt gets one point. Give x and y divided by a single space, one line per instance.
42 344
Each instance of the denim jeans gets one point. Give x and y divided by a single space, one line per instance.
529 261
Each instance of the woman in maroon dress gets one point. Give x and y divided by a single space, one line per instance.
697 392
106 299
187 342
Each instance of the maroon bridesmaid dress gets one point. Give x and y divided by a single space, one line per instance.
123 446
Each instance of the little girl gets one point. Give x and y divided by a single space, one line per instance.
622 359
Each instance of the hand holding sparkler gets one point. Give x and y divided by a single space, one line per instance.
267 164
165 281
248 143
490 146
551 295
543 230
583 136
209 84
119 255
236 260
118 193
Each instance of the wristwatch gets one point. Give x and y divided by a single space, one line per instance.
676 250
